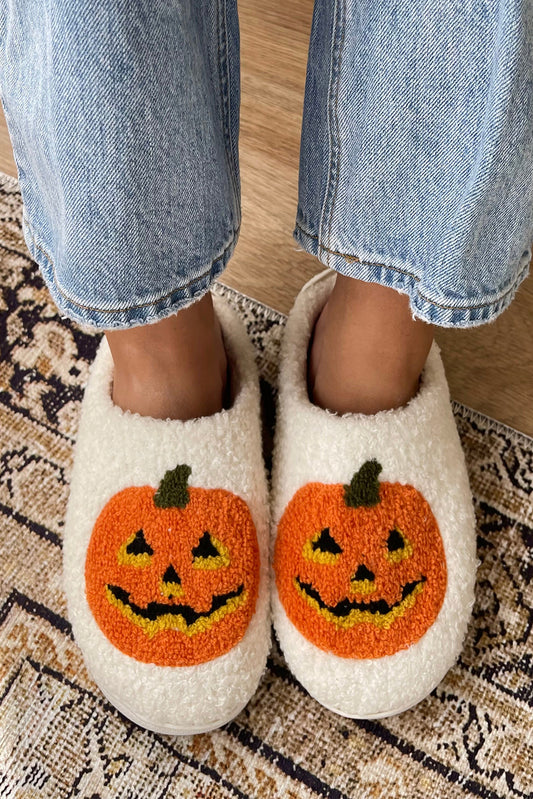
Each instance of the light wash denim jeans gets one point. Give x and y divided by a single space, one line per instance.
416 161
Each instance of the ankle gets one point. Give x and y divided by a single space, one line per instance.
173 393
176 368
366 353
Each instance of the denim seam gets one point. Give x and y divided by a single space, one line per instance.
333 154
225 100
330 147
356 259
236 179
339 23
129 307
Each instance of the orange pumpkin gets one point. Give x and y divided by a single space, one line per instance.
172 574
360 568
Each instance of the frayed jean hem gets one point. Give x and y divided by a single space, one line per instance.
144 312
441 312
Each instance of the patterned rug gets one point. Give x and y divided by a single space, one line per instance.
59 738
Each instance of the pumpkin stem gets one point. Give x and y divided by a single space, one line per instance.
173 491
364 486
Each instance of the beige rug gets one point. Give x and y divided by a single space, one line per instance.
59 738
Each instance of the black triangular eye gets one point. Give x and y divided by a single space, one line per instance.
205 548
326 543
139 546
395 541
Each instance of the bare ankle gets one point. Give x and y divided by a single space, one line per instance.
175 368
366 352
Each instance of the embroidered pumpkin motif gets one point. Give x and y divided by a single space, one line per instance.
172 574
360 568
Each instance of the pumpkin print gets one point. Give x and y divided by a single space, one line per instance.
172 574
360 568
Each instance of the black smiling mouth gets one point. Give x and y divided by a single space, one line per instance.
344 608
155 611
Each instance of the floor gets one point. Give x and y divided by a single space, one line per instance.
490 368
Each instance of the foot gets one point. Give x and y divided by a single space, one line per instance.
164 537
172 369
367 352
368 609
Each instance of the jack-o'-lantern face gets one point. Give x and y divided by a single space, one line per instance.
172 575
360 568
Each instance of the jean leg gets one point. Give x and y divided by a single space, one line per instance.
416 160
124 120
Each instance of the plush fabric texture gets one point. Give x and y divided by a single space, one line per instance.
185 583
415 548
173 623
368 587
59 737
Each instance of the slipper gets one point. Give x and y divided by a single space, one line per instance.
374 536
166 551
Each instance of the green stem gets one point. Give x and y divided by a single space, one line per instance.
173 491
363 489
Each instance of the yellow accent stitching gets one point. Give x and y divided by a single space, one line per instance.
316 555
171 621
363 586
170 589
213 562
381 620
128 559
400 554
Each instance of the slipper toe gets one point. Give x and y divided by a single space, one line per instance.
374 537
165 551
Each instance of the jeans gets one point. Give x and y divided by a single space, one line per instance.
416 159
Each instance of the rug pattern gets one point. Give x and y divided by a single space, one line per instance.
59 738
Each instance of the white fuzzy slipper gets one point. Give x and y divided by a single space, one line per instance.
374 554
166 551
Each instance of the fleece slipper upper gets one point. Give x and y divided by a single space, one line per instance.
165 551
374 532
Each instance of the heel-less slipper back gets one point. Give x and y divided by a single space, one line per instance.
165 552
374 536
